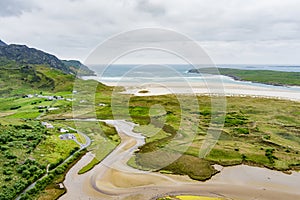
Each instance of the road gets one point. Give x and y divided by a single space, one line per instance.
82 146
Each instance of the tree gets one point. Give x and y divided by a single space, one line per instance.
270 156
8 178
26 174
7 171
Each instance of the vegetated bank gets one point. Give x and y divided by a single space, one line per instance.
257 131
269 77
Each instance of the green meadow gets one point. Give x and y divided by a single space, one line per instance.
257 131
259 76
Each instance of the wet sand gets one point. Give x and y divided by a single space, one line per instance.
113 179
201 88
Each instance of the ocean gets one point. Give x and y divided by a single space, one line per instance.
140 74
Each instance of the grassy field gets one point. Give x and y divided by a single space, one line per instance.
89 166
18 80
27 148
48 187
31 108
257 131
105 138
259 76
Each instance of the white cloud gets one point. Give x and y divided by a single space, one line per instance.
14 7
232 31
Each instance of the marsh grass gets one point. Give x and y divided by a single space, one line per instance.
252 125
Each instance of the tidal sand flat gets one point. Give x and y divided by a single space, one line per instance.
188 198
160 81
113 179
225 89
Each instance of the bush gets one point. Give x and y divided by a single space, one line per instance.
242 130
15 107
244 157
25 197
20 185
7 172
267 137
8 178
270 156
53 165
4 148
26 174
9 155
74 150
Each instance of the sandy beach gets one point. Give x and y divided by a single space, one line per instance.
201 88
113 179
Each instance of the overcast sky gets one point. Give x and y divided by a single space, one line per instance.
230 31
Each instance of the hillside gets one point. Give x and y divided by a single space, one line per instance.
26 70
2 43
23 55
78 67
21 80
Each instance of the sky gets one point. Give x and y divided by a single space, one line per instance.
230 31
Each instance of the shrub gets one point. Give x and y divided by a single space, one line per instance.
8 178
7 172
15 107
270 156
242 130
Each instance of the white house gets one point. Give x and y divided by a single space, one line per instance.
47 125
62 130
67 137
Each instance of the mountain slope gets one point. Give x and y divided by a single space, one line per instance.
2 43
26 70
25 55
21 80
78 67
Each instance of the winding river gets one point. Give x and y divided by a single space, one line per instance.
114 179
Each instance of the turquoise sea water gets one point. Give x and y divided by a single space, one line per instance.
178 73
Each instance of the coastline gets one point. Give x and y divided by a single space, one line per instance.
252 76
220 87
201 89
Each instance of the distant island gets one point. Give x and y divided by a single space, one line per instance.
269 77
